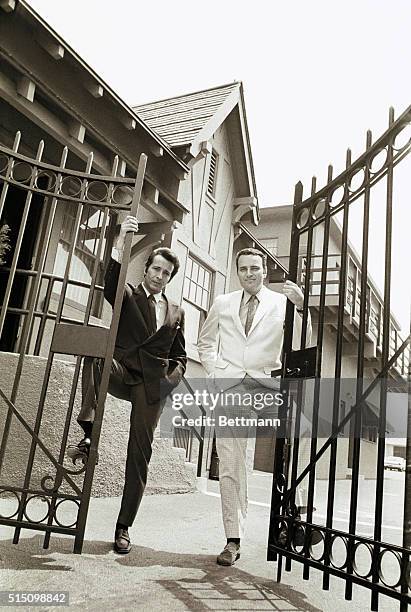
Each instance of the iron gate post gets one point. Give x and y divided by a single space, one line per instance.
407 495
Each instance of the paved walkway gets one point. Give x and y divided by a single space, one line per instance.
171 566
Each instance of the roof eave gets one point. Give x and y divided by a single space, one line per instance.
32 14
214 123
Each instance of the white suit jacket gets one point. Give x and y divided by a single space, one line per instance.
226 352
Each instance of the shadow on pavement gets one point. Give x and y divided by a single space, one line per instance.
216 588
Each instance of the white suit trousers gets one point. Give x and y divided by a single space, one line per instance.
231 442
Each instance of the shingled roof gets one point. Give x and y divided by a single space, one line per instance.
179 120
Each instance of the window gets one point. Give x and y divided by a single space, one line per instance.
369 423
196 294
212 176
374 323
271 244
351 291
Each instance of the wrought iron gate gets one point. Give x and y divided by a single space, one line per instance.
348 302
92 201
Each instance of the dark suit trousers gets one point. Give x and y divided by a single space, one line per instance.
143 422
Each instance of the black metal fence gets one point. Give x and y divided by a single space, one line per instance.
349 315
33 193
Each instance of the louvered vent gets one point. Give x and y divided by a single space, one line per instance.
212 177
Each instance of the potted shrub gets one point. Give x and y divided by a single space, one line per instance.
4 242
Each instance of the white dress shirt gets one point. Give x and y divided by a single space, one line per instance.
160 305
160 302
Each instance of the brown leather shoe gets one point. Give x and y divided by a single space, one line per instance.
229 555
122 544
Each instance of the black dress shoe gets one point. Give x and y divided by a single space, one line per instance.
80 451
304 509
122 544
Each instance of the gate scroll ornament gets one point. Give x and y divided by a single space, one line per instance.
291 538
59 187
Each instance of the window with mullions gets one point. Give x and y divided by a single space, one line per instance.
271 244
196 294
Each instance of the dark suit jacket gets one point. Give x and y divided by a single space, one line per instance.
149 356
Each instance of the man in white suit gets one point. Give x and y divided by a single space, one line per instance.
239 345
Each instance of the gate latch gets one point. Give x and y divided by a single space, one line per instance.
302 363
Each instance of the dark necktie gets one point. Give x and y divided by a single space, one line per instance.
252 307
152 310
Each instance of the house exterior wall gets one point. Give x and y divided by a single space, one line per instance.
204 233
207 234
168 473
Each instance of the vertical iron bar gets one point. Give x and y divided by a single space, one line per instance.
43 318
308 273
279 485
379 490
359 382
200 450
337 376
406 541
40 241
299 398
5 187
317 381
22 229
105 375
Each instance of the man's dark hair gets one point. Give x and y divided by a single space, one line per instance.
250 251
167 254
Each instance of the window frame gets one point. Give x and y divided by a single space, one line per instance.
188 298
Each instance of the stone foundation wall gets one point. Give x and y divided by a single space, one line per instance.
168 471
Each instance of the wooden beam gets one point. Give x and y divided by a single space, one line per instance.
77 130
26 88
206 148
129 123
181 174
69 93
50 123
249 201
95 89
240 211
151 192
122 167
159 227
52 47
8 5
159 210
151 240
157 150
215 121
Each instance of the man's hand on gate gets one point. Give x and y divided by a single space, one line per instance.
293 293
130 224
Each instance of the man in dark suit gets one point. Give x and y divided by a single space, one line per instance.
149 361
